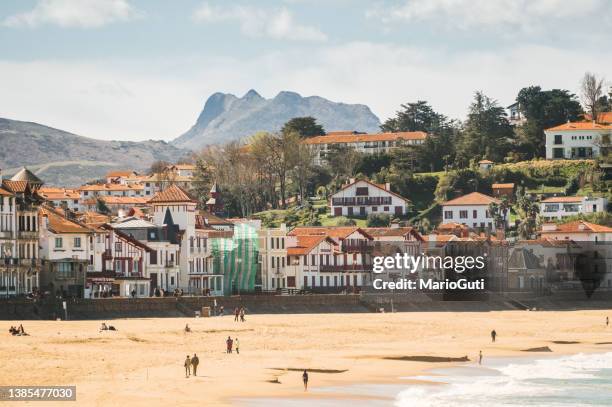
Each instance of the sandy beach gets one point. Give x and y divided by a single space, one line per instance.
142 363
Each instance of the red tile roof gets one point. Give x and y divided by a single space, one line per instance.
173 193
58 223
111 187
115 174
336 232
503 186
603 117
306 243
474 198
4 192
580 126
579 226
359 138
15 186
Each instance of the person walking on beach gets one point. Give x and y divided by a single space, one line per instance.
305 379
195 361
237 346
236 314
242 314
229 344
607 321
493 335
187 366
480 358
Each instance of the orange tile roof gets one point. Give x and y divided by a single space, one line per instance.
451 226
336 232
111 187
359 138
401 231
59 224
54 194
113 174
580 126
15 186
474 198
485 162
305 244
561 199
502 186
579 226
173 193
4 192
603 117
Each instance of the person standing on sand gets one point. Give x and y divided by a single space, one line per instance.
187 367
480 358
236 314
195 361
242 314
305 379
237 347
607 321
493 335
229 344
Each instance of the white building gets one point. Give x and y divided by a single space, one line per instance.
361 198
471 210
66 248
273 244
175 205
563 206
61 197
577 140
362 143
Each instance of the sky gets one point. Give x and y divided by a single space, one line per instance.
143 69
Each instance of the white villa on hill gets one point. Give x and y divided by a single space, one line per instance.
361 198
471 210
577 140
362 143
562 206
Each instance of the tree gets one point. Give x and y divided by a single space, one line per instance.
591 91
441 131
305 127
487 132
378 220
342 161
542 110
527 210
202 182
101 206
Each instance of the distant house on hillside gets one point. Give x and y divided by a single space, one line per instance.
471 210
578 140
562 206
361 198
485 164
503 190
362 143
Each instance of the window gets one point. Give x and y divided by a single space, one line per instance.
77 242
58 242
386 209
362 191
375 209
474 214
448 214
463 214
118 246
558 139
65 270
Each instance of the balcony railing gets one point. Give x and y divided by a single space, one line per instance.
6 234
360 248
27 234
346 268
362 200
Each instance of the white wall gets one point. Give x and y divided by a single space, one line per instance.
481 220
373 192
574 139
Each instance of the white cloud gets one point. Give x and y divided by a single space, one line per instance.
527 15
136 100
257 22
70 13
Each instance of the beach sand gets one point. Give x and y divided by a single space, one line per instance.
142 363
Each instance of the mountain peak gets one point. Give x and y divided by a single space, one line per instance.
226 117
252 94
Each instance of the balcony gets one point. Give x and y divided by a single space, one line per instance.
6 234
169 264
362 200
27 235
357 248
346 268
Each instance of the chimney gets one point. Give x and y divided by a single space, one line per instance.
388 186
432 239
581 226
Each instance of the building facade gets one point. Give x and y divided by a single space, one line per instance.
471 210
564 206
577 140
361 198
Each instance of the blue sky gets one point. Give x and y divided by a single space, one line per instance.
129 69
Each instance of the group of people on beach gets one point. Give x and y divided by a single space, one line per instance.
191 365
17 331
231 344
239 314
